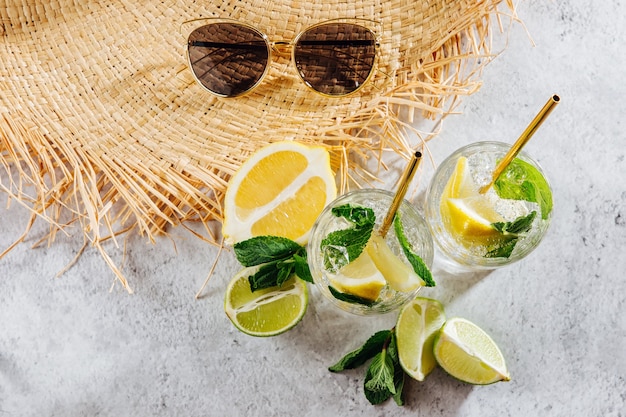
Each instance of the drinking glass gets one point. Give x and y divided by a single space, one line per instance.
415 229
465 245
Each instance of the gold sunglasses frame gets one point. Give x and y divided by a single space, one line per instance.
281 48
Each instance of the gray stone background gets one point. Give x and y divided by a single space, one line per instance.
76 346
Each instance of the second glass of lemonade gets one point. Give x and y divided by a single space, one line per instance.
474 230
383 276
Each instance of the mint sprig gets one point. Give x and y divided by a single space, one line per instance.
522 181
384 377
343 246
278 258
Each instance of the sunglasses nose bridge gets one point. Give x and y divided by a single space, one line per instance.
282 48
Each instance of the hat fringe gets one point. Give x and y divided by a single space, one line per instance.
110 197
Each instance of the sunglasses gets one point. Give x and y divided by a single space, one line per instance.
229 59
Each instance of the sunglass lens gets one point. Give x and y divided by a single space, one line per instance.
335 58
229 59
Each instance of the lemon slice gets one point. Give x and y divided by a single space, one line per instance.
467 353
418 324
461 184
400 276
280 191
466 213
471 217
469 213
360 277
265 312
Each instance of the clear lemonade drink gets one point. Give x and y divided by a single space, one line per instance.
497 227
357 268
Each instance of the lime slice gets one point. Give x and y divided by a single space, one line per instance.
416 328
360 277
400 276
467 353
265 312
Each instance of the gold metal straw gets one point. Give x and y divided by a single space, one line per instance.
403 186
523 139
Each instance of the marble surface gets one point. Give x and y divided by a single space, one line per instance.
78 346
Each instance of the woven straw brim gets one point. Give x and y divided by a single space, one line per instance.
101 119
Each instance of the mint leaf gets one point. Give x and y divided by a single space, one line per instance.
343 246
398 381
359 215
361 355
518 226
502 250
262 249
269 275
392 346
285 269
379 380
302 267
511 232
349 298
420 268
522 181
398 377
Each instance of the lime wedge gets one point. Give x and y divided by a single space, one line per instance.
360 277
265 312
416 329
467 353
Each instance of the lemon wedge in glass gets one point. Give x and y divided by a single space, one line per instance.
466 213
461 184
471 218
400 276
360 277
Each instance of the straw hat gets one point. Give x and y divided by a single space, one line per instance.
101 120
